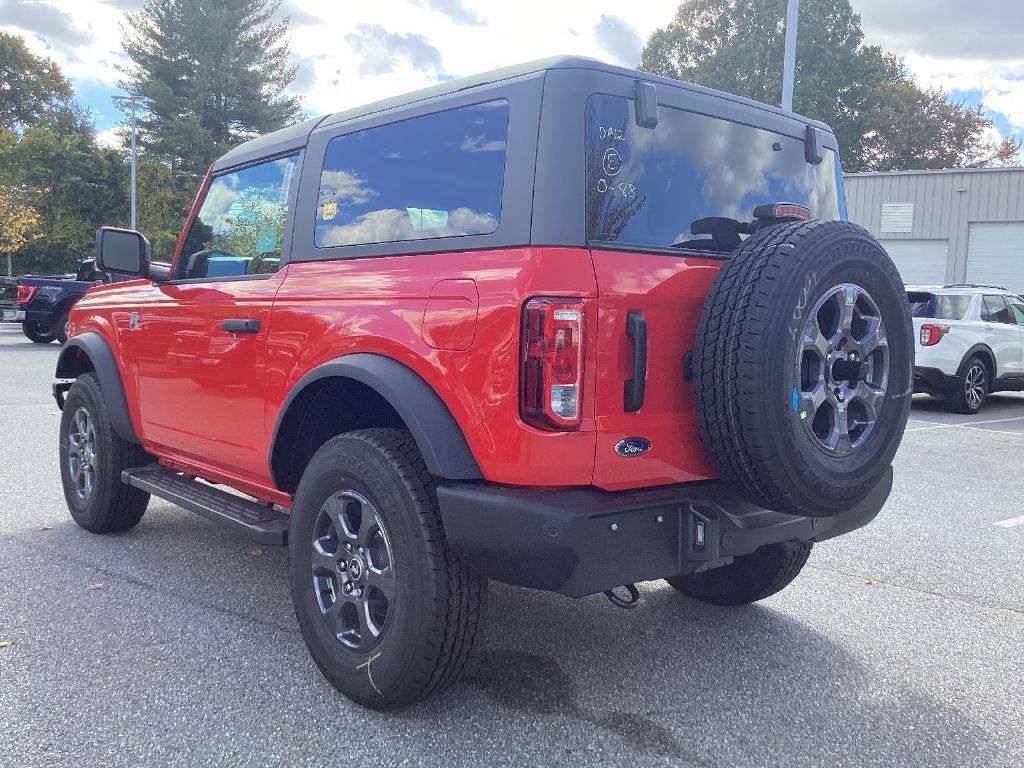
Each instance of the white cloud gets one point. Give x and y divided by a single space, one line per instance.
391 224
355 53
344 187
110 138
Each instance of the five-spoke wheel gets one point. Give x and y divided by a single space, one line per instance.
842 369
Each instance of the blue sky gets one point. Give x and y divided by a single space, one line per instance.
349 53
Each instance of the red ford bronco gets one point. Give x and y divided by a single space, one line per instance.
564 325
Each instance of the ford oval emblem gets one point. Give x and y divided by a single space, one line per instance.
633 446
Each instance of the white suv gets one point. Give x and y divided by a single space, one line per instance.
970 341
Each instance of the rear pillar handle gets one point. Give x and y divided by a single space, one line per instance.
633 390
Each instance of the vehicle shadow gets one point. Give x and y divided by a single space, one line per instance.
672 681
997 406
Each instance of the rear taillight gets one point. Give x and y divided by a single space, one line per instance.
931 334
551 378
25 293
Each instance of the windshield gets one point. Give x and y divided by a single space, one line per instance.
939 306
647 186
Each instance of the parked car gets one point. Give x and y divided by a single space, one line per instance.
44 301
8 299
565 325
970 342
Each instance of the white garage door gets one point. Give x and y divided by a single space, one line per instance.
920 262
995 254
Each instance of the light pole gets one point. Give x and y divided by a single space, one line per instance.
132 103
789 60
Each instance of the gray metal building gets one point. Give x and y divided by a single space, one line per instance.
955 226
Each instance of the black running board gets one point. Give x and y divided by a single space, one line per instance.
263 524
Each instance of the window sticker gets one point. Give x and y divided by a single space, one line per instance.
427 218
266 241
286 183
329 211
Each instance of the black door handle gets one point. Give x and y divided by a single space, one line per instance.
240 325
633 391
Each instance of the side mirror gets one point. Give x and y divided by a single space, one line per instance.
122 251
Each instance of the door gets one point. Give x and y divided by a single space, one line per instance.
1003 336
995 254
202 357
920 262
1017 311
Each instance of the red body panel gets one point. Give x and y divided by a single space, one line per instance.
670 292
206 401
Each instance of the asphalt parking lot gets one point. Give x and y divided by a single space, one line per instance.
175 644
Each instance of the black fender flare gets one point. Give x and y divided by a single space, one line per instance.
986 351
94 347
437 434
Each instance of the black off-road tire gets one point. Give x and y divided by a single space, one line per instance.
960 400
60 327
748 578
439 605
38 333
747 357
110 506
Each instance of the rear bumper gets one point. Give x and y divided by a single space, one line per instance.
932 380
36 316
581 541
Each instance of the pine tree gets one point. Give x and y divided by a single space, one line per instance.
213 75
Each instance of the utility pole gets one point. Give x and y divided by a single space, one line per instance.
789 62
132 103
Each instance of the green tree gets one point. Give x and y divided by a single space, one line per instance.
864 93
30 86
213 75
75 186
163 203
17 225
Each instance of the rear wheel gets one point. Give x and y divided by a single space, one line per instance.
388 613
971 387
749 577
60 327
92 456
40 333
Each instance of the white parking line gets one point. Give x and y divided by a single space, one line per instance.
963 424
1012 522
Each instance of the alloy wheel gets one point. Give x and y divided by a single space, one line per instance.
842 370
353 570
82 454
975 385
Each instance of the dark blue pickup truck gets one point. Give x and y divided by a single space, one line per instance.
44 301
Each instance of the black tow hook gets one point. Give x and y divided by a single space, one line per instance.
621 602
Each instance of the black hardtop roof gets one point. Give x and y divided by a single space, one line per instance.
295 136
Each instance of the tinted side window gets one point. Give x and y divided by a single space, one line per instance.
240 225
647 186
439 175
1017 307
996 310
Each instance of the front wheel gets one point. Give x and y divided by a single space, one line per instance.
40 333
389 615
92 456
748 578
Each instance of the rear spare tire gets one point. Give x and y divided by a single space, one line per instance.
803 367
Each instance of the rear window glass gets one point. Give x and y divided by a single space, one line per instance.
646 186
939 306
439 175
